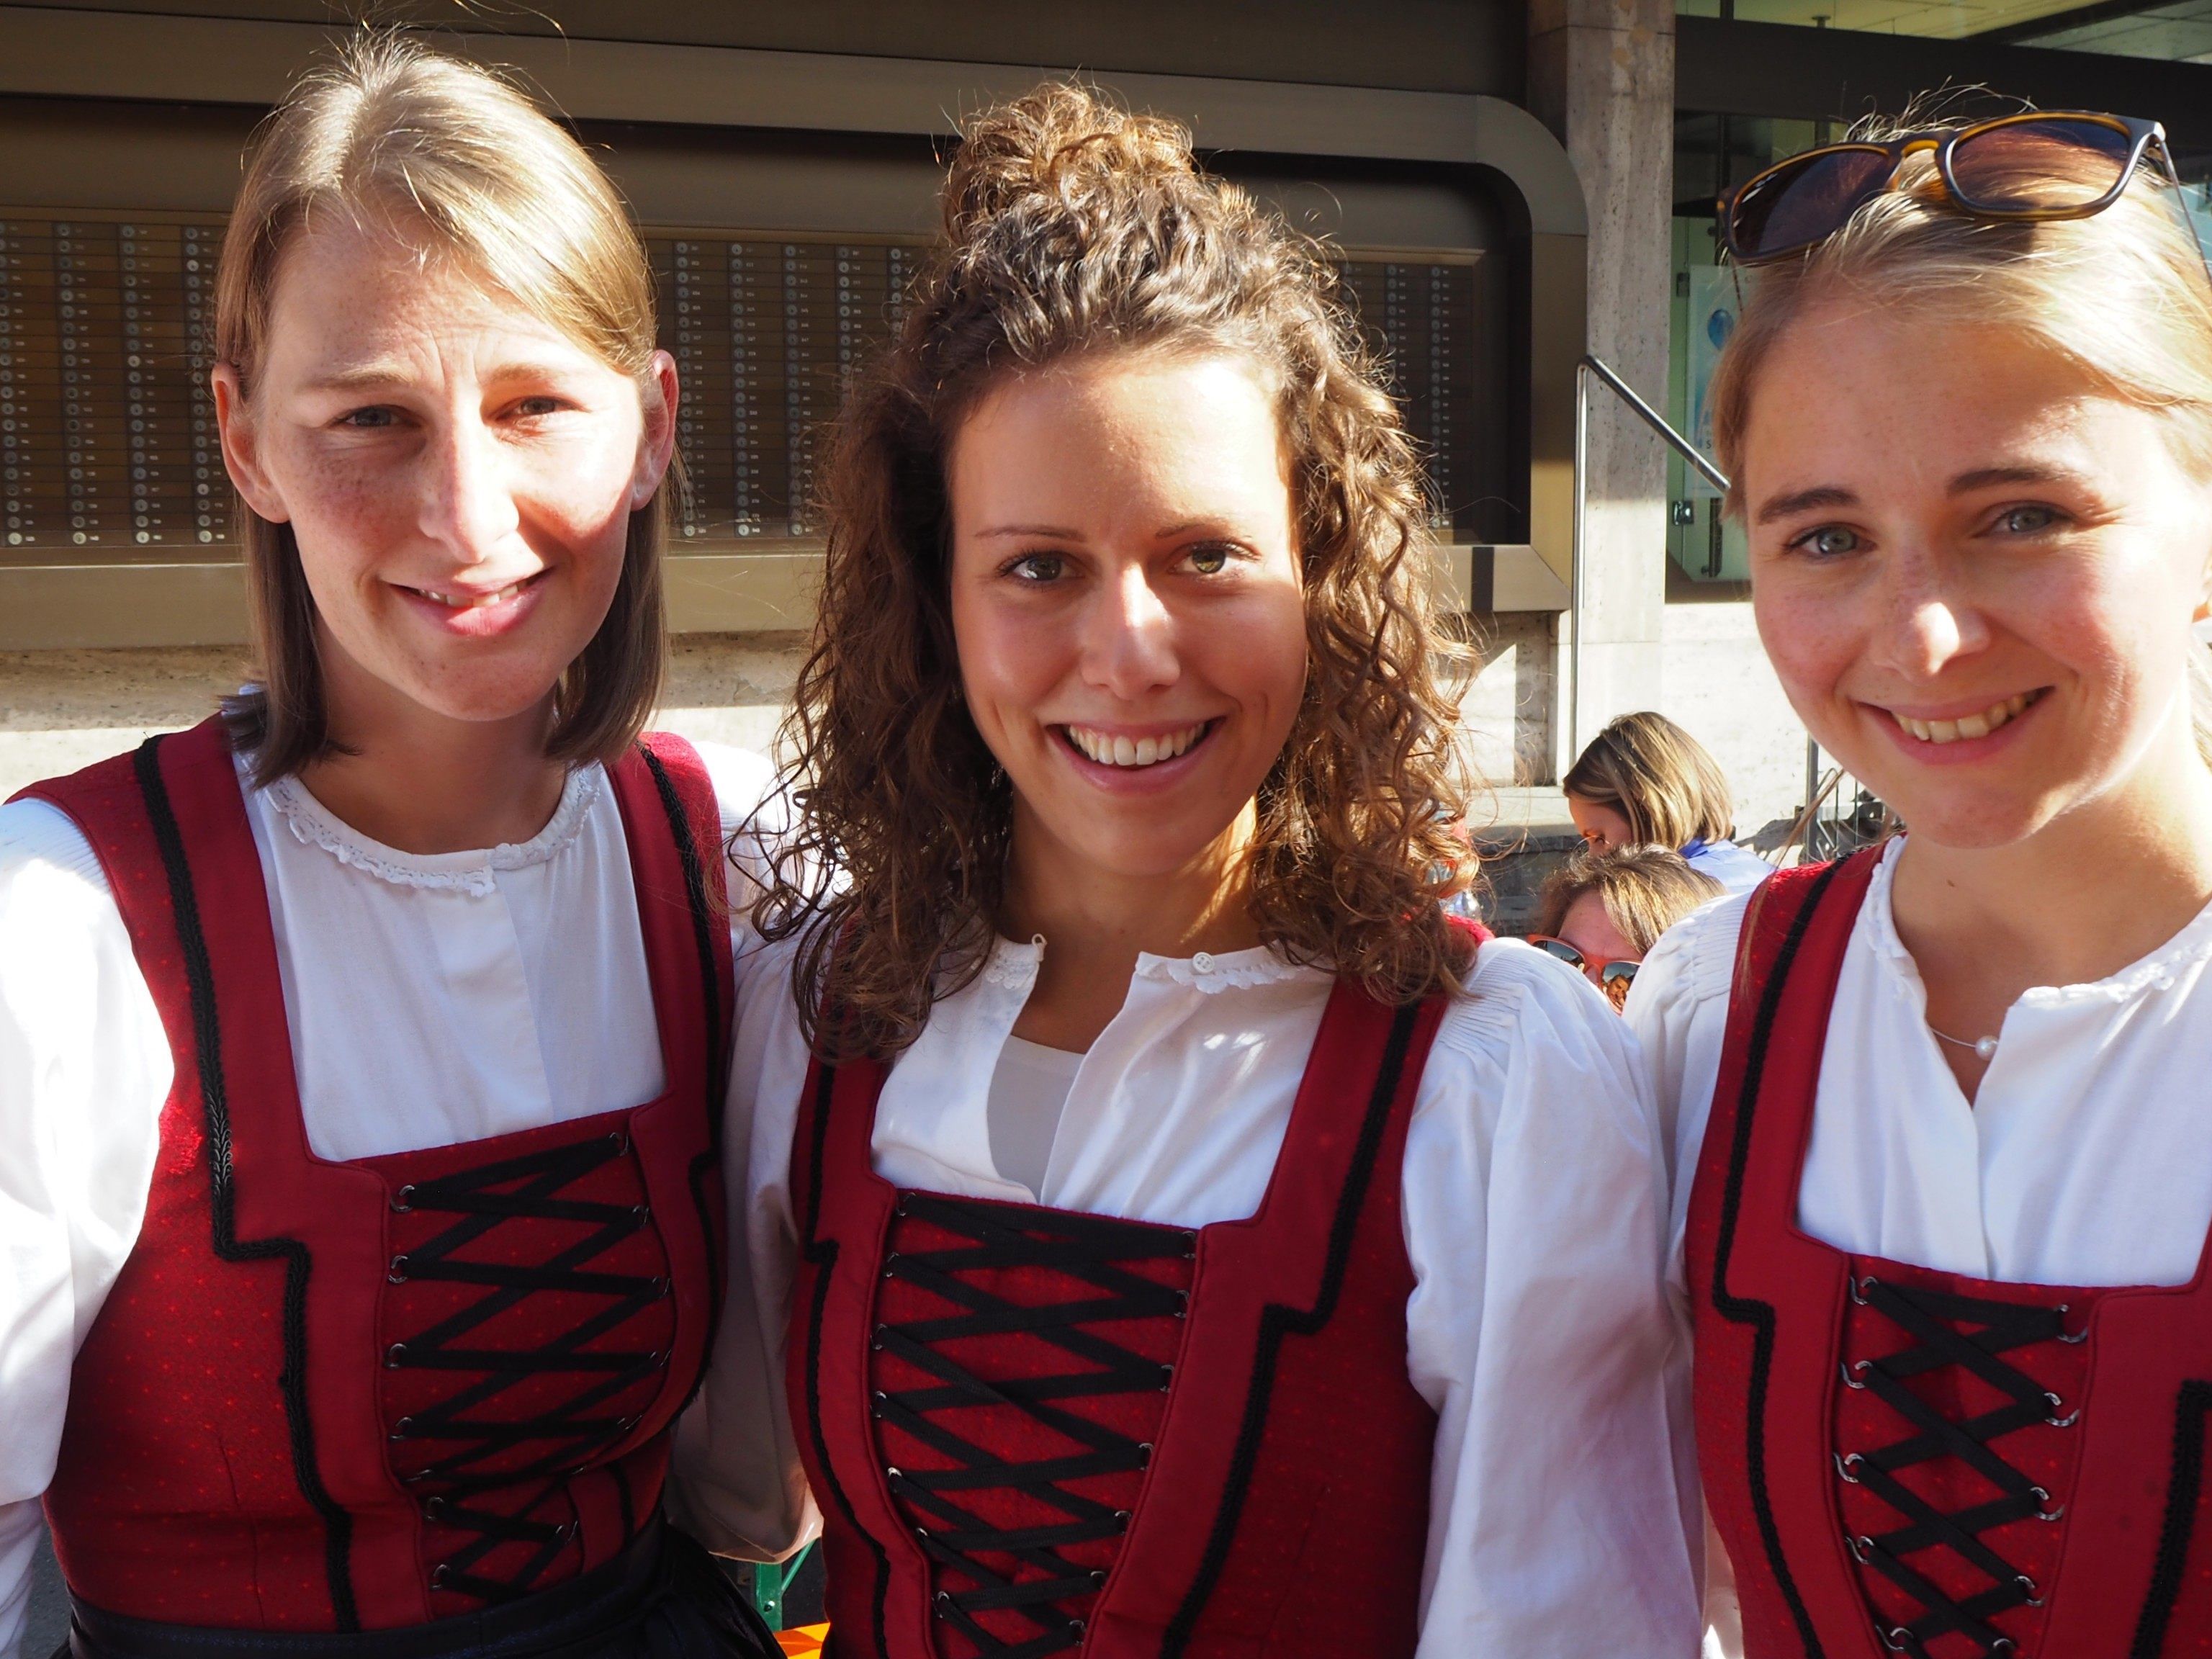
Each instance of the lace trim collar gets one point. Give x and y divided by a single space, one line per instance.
2156 971
1012 966
475 871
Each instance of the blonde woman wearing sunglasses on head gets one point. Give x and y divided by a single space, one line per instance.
1944 1243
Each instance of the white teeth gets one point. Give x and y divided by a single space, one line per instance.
1968 726
472 601
1108 750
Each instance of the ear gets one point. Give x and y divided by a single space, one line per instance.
242 447
656 442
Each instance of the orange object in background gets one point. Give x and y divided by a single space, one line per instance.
804 1642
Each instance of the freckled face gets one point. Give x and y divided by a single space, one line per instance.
459 474
1601 828
1974 571
1126 602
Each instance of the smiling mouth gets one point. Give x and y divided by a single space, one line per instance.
464 601
1106 749
1969 725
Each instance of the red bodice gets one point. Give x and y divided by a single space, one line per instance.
1901 1461
1034 1432
331 1396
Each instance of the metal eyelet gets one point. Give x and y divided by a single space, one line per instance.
876 1339
440 1575
2043 1500
397 1273
640 1213
433 1507
1182 1305
1862 1549
2058 1406
2078 1337
1145 1451
619 1142
1098 1576
403 1201
1856 1369
1167 1378
402 1429
894 1472
2002 1644
2028 1589
1861 1287
1122 1519
944 1600
1895 1638
1075 1627
395 1356
1843 1462
877 1401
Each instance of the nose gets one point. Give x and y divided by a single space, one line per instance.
1129 637
1932 618
467 497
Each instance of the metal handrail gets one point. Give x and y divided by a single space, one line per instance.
1592 364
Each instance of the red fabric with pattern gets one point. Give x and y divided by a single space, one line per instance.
227 1459
2122 1571
1286 1500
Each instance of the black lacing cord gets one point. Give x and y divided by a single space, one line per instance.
1934 1319
525 1189
1091 1249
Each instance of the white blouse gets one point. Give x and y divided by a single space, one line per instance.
432 1000
1534 1217
2083 1158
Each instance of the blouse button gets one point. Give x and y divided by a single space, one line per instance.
1203 962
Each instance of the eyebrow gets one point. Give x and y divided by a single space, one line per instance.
373 377
1966 483
1803 501
1043 531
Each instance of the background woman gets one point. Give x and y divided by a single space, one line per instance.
1645 781
1600 913
1188 1235
362 1053
1947 1237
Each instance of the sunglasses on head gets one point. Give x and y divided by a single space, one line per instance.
2024 169
1611 975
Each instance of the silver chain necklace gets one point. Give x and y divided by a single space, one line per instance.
1983 1047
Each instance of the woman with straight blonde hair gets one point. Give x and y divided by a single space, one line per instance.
1945 1190
1184 1237
362 1048
1644 780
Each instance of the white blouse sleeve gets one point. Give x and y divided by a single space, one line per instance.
84 1070
736 1481
1536 1206
1677 1009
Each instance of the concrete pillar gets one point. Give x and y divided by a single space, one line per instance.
1601 76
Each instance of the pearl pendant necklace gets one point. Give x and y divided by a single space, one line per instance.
1983 1047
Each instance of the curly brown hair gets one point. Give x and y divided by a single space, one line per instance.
1072 227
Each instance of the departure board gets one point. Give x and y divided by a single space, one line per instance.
107 441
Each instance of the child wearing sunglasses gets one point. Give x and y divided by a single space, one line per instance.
1600 913
1945 1184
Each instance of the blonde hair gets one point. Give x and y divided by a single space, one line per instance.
395 137
1074 227
1658 777
1645 889
2122 295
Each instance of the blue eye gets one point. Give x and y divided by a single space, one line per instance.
2026 520
1830 541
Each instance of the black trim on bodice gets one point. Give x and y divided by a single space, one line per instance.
998 1240
215 1106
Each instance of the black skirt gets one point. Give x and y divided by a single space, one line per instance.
662 1598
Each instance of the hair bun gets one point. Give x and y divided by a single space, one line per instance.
1065 144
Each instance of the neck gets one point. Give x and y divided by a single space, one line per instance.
1096 922
423 782
2099 887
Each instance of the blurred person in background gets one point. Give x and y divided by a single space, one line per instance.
1600 912
1646 782
1944 1190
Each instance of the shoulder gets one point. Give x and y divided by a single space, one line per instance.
38 838
1692 965
741 778
1527 1026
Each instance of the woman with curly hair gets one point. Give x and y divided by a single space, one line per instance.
1191 1240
